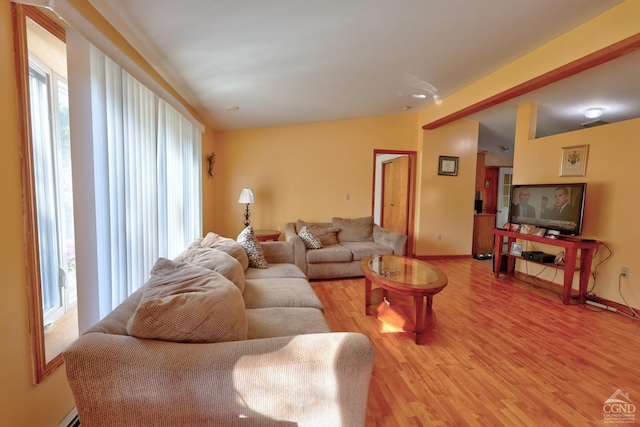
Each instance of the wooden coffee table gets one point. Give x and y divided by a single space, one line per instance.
405 277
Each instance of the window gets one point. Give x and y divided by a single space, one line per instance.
48 187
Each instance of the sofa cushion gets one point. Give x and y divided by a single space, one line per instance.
186 303
330 253
354 230
225 244
285 321
252 247
194 244
216 260
275 270
324 231
309 239
280 292
362 250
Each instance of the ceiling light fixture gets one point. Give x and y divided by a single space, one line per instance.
408 107
593 112
437 100
421 96
232 108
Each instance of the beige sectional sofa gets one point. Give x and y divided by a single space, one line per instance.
344 243
210 340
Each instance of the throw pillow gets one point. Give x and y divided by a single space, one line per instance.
187 303
354 230
326 233
216 260
310 241
253 248
225 244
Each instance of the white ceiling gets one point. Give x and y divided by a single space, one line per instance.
288 62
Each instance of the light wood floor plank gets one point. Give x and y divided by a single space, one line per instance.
503 353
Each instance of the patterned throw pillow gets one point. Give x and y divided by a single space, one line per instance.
252 247
310 241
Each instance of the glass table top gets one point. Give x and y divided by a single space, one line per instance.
408 272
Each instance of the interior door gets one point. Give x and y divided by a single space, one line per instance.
395 194
490 189
505 181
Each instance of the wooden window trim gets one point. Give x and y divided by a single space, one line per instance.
33 275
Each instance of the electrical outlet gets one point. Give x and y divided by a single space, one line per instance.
624 272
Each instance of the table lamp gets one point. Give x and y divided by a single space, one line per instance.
246 196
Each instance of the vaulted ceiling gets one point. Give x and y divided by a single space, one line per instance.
279 62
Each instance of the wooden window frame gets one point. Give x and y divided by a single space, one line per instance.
20 13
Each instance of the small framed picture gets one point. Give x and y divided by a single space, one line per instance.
539 232
448 165
574 160
516 249
526 229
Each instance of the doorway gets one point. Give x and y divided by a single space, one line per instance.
394 192
505 181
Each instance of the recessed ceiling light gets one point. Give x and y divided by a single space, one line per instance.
408 107
419 95
437 99
232 108
593 112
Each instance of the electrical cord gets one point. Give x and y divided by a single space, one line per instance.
633 316
593 273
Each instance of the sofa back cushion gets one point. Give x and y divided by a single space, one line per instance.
354 230
216 260
186 303
225 244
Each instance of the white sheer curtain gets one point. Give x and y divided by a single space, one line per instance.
147 178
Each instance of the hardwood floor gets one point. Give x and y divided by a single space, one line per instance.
503 353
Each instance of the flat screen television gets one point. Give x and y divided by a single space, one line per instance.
558 207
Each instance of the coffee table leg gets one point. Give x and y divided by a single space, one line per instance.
367 296
418 304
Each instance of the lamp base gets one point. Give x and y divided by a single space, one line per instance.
247 214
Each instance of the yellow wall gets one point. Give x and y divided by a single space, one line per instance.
304 171
19 398
446 202
611 204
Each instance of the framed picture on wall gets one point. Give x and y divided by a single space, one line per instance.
448 165
574 160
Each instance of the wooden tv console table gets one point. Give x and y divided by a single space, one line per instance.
571 247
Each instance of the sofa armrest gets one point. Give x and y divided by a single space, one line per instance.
279 251
300 249
393 239
305 380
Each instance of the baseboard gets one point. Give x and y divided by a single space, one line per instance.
428 257
71 420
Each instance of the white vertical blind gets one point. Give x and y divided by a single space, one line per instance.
147 183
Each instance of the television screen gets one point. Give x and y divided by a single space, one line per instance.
557 207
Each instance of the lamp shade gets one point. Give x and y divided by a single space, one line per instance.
246 196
